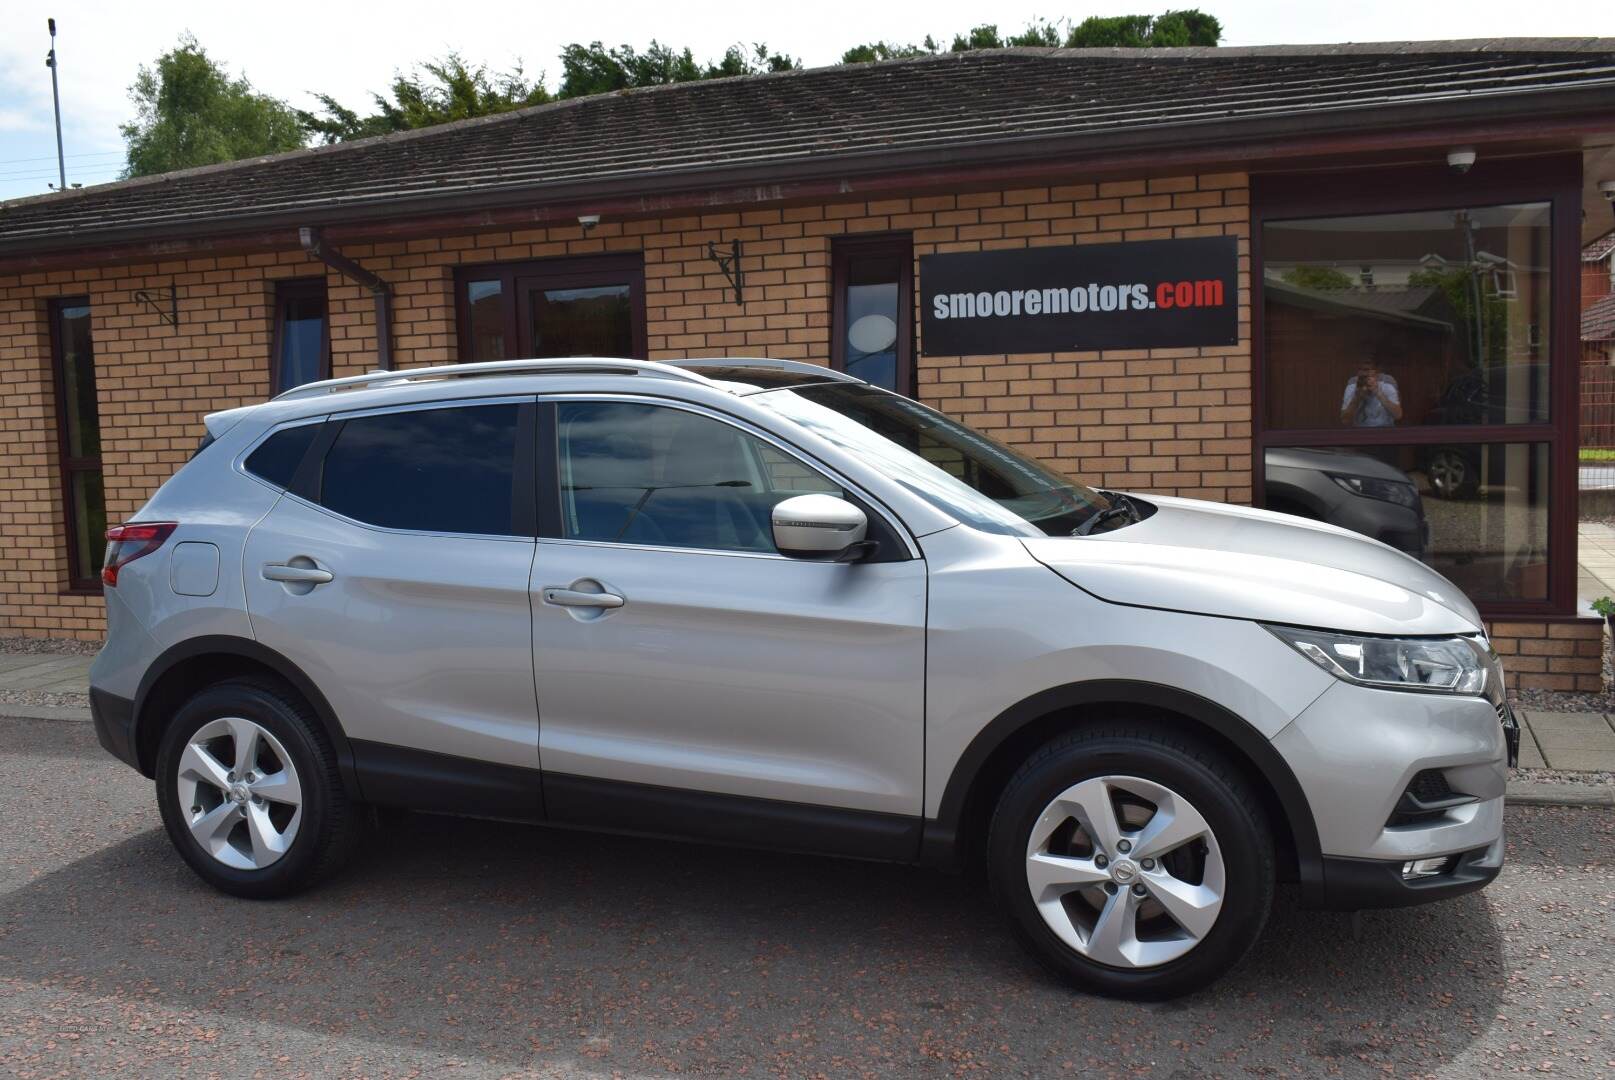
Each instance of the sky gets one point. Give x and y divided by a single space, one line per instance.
290 48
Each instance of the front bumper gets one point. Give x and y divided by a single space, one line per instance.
1356 751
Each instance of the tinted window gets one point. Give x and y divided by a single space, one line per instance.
432 470
643 474
277 459
302 348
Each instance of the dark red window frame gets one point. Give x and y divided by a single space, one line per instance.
287 290
69 465
843 249
562 272
1554 180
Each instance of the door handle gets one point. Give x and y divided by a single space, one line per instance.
302 575
577 598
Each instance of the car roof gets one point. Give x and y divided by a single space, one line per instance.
686 378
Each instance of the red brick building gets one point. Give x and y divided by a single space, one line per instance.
809 214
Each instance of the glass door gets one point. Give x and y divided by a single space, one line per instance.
553 308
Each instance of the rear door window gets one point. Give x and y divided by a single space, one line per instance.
449 470
278 456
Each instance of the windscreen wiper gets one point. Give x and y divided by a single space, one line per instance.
1121 506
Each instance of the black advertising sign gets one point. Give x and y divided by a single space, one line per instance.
1143 295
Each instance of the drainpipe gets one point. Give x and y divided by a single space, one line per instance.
314 243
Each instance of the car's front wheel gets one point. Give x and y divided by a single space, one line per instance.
1134 863
249 790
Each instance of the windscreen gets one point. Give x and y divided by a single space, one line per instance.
962 472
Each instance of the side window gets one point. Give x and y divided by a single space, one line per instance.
429 470
645 474
278 456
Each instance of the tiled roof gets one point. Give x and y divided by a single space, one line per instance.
1599 249
982 107
1598 319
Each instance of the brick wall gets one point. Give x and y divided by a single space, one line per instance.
1551 655
1166 421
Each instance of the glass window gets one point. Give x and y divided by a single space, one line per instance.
302 347
277 458
962 472
592 321
84 500
872 336
1476 513
645 474
485 315
432 470
1407 319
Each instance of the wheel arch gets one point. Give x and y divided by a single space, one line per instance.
954 835
196 663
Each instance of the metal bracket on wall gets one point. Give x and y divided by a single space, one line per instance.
727 256
154 299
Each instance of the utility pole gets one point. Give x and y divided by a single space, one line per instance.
56 99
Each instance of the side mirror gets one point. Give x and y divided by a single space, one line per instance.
817 526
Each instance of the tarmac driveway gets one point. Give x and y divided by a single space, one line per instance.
459 948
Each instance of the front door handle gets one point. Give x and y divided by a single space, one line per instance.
302 575
578 598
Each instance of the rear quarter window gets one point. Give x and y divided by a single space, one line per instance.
277 458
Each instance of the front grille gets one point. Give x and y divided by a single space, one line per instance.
1428 797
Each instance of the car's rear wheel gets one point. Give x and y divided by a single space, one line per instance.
1451 474
249 791
1136 864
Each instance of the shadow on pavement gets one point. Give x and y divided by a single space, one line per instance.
519 946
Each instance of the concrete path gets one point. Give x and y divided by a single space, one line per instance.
44 673
1596 554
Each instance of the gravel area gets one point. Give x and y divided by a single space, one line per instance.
1561 776
49 646
41 697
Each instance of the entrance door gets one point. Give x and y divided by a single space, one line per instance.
692 678
552 308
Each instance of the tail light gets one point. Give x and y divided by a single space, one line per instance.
126 543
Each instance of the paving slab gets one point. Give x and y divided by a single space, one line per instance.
1530 754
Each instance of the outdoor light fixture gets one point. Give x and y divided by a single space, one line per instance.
588 221
1461 159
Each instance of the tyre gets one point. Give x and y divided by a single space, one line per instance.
1132 863
249 791
1452 474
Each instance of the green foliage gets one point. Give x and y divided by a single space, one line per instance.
189 111
439 91
1317 277
888 50
1604 606
595 69
1038 34
1463 290
1172 28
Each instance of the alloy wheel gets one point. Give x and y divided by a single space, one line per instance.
240 793
1125 871
1448 472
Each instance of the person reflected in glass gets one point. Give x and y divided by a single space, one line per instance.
1371 398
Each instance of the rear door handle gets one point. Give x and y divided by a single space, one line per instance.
577 598
305 575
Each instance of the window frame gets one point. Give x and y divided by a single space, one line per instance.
67 464
551 513
308 482
843 249
1346 193
285 290
562 272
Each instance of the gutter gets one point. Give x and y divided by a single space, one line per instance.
313 242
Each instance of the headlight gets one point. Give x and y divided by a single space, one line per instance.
1455 665
1372 487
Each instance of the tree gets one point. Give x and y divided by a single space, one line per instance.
1038 34
1172 28
1318 278
595 69
437 92
888 50
189 111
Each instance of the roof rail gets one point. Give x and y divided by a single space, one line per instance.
559 366
799 366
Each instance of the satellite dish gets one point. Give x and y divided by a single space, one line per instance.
872 334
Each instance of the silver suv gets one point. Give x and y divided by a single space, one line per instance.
758 602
